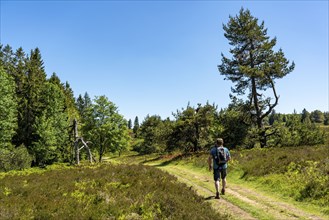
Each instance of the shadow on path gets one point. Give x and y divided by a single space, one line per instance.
209 198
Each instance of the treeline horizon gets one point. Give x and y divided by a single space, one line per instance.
316 116
316 113
37 115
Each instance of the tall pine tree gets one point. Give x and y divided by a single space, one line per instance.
34 104
254 66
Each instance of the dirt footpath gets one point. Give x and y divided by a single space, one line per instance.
239 202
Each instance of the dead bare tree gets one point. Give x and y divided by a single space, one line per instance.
77 148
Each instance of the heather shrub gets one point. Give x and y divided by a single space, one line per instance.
301 173
260 162
100 192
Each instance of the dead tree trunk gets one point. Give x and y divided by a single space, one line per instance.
76 144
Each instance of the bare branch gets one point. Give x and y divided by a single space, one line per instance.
271 106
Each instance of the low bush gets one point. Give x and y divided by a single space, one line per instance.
15 159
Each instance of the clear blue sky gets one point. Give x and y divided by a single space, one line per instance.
153 57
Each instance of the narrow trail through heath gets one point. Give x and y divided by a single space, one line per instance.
239 201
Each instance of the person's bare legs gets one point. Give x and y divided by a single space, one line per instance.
217 185
224 185
217 188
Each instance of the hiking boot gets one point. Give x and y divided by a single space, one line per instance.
217 195
223 191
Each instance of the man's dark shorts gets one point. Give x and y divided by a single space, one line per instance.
219 173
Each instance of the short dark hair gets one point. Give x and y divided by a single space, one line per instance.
219 141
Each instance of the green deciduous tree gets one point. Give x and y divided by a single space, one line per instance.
204 123
184 134
317 116
194 129
295 132
254 66
154 134
107 129
326 118
234 129
148 132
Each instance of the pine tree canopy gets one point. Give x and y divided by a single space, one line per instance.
253 55
254 65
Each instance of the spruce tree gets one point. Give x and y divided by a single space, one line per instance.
51 127
80 104
84 108
70 111
305 117
130 124
7 59
70 106
136 126
8 109
20 76
34 104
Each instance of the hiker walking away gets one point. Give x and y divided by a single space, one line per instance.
217 161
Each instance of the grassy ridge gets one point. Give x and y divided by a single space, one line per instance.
100 192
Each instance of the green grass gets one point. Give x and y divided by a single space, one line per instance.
255 212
